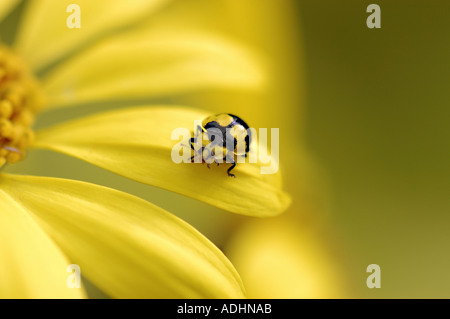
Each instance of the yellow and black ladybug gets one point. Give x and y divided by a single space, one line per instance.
222 130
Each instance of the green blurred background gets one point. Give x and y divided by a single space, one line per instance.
371 107
377 117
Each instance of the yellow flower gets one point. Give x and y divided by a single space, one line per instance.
298 254
124 245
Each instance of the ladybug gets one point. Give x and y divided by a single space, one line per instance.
222 130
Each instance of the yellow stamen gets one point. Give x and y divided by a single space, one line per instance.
20 100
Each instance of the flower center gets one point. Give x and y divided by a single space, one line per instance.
20 99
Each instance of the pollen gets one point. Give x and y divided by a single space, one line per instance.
20 100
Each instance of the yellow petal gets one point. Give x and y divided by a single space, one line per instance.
126 246
31 265
6 6
136 143
146 63
44 35
281 259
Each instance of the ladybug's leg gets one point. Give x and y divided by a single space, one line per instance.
206 160
229 170
229 159
192 141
